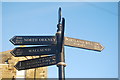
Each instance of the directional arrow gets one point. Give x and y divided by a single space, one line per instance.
37 62
51 40
33 51
83 44
33 40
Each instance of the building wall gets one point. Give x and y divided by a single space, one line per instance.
8 71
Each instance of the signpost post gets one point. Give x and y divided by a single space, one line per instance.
60 47
52 46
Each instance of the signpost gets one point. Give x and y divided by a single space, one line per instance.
51 40
33 40
33 51
52 46
37 62
83 44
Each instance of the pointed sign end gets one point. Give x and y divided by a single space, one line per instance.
12 40
16 66
12 52
100 47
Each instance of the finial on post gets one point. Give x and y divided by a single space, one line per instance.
59 15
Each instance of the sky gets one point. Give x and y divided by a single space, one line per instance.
92 21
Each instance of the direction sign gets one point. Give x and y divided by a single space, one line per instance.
51 40
33 51
37 62
33 40
83 44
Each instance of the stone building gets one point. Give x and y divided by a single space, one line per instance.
7 70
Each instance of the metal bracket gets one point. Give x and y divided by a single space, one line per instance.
61 64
